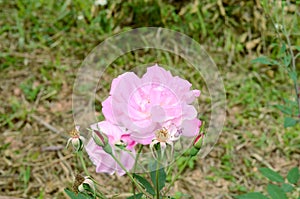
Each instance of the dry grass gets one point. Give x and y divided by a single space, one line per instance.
33 160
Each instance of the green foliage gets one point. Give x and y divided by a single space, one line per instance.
276 192
289 122
30 91
36 27
284 109
161 178
293 175
25 176
145 184
253 195
287 187
73 195
262 60
271 175
136 196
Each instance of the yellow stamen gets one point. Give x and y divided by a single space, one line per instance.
162 135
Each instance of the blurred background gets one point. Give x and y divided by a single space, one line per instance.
43 43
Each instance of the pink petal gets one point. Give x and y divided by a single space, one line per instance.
190 127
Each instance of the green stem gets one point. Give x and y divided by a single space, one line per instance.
98 192
177 175
134 167
293 64
159 157
101 196
177 158
157 187
293 68
130 176
83 163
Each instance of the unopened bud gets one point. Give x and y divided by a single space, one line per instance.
197 145
198 141
102 140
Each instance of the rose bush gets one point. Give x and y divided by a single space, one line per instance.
154 109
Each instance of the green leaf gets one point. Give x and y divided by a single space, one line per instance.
253 195
73 195
284 109
287 187
161 177
298 48
289 122
287 60
293 75
179 195
282 49
293 175
136 196
276 192
271 175
261 60
145 184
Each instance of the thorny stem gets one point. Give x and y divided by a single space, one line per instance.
83 163
130 176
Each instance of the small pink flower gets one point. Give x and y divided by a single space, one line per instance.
103 161
145 105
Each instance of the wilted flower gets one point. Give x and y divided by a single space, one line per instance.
76 140
103 160
145 105
87 182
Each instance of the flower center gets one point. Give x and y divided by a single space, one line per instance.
162 135
74 133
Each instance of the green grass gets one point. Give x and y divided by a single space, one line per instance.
44 42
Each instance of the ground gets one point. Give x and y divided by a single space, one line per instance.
43 44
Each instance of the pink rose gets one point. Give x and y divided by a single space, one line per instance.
103 161
155 101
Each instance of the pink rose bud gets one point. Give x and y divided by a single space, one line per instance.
198 141
102 140
197 145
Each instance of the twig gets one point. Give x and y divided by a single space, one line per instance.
47 125
260 159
